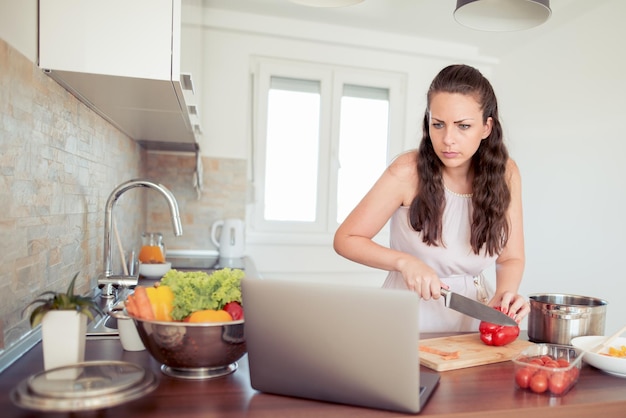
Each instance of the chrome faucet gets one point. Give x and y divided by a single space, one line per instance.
107 278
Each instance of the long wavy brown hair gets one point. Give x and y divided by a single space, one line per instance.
490 193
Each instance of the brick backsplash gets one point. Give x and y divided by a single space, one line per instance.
59 162
223 196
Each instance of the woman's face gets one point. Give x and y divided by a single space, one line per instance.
456 128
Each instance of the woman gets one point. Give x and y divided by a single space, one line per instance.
455 208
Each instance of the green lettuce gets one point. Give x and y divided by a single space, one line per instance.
197 290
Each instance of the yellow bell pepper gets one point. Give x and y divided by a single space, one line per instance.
162 301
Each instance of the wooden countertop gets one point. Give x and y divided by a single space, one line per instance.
483 391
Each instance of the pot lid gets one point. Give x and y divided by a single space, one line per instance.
84 386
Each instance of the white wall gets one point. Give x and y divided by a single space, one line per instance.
563 102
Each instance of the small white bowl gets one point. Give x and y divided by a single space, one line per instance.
129 337
154 271
612 365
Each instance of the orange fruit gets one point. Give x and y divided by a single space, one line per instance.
210 315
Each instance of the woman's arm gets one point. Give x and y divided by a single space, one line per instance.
353 239
510 263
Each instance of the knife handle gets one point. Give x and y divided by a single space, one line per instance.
445 293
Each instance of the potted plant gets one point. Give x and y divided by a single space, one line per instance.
63 318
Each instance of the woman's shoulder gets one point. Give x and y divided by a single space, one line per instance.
512 172
403 173
404 166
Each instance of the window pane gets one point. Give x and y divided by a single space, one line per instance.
292 148
362 144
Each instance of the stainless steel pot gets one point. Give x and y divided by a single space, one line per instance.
557 318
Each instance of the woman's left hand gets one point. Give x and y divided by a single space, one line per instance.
514 305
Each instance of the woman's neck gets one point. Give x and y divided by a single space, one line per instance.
459 182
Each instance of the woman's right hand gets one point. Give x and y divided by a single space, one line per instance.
420 278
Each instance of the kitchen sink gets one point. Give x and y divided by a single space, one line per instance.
103 327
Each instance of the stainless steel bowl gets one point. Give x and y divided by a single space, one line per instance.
194 350
557 318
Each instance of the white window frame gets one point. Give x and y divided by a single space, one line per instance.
332 78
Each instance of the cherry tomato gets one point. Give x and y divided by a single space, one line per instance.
552 364
539 382
558 382
523 377
563 362
546 373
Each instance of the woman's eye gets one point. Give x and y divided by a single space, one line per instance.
464 126
437 125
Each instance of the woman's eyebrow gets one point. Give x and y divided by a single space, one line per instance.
456 121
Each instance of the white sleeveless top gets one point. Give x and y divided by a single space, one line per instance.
454 262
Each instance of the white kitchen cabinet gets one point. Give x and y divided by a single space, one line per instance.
122 58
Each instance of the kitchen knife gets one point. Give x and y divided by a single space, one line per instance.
475 309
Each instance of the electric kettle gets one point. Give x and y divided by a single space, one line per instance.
228 236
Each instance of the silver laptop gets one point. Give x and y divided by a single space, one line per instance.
353 345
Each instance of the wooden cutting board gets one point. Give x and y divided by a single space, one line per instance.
472 352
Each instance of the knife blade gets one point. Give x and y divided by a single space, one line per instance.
476 309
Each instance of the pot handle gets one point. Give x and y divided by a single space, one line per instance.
564 314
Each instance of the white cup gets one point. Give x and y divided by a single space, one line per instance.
129 336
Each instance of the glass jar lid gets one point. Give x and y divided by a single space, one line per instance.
84 386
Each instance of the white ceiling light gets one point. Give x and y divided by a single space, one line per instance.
326 3
502 15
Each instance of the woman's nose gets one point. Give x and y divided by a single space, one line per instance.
448 137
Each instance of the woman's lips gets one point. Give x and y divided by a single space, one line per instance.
450 154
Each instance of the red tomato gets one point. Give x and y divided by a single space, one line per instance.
552 364
539 382
558 383
523 376
235 310
563 362
573 373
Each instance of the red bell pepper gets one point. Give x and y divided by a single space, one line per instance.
498 335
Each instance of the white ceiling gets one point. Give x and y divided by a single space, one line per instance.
422 18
